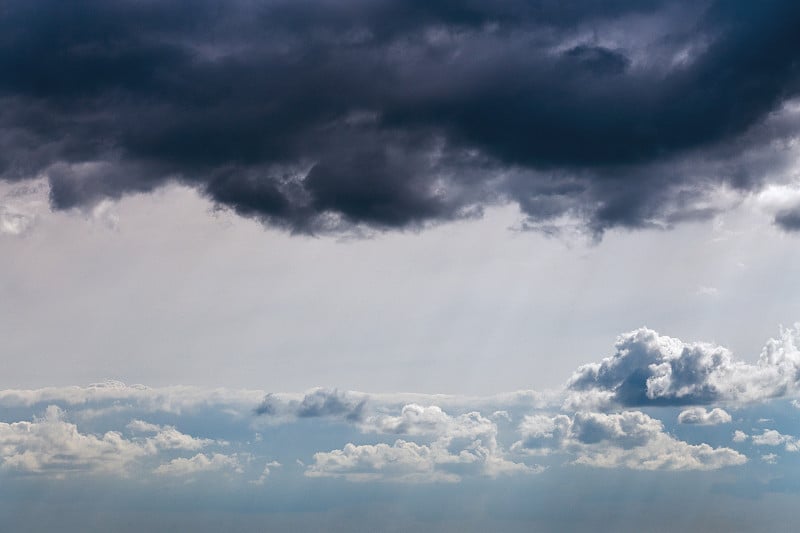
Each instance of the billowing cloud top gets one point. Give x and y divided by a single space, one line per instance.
318 116
652 369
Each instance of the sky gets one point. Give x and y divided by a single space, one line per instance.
399 266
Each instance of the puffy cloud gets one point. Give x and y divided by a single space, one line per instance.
430 112
167 437
406 461
701 417
415 419
652 369
463 444
770 458
630 439
51 445
200 463
771 437
739 436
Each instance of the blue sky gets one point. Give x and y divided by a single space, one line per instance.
391 265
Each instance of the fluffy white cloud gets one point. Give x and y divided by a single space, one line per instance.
701 417
630 439
200 463
771 437
652 369
52 445
463 444
415 419
411 462
168 438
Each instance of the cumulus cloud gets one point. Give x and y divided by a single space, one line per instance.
462 445
652 369
51 445
429 112
167 437
200 463
630 439
701 417
406 461
771 437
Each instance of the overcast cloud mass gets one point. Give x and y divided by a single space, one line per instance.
399 265
322 116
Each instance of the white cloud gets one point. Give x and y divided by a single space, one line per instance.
771 437
200 463
770 458
740 436
168 438
51 445
266 472
701 417
415 419
630 439
463 444
406 461
649 368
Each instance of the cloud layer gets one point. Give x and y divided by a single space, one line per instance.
653 405
319 116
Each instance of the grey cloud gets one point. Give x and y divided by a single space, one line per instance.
318 403
788 219
318 116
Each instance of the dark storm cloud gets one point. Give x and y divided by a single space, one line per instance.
788 219
318 115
